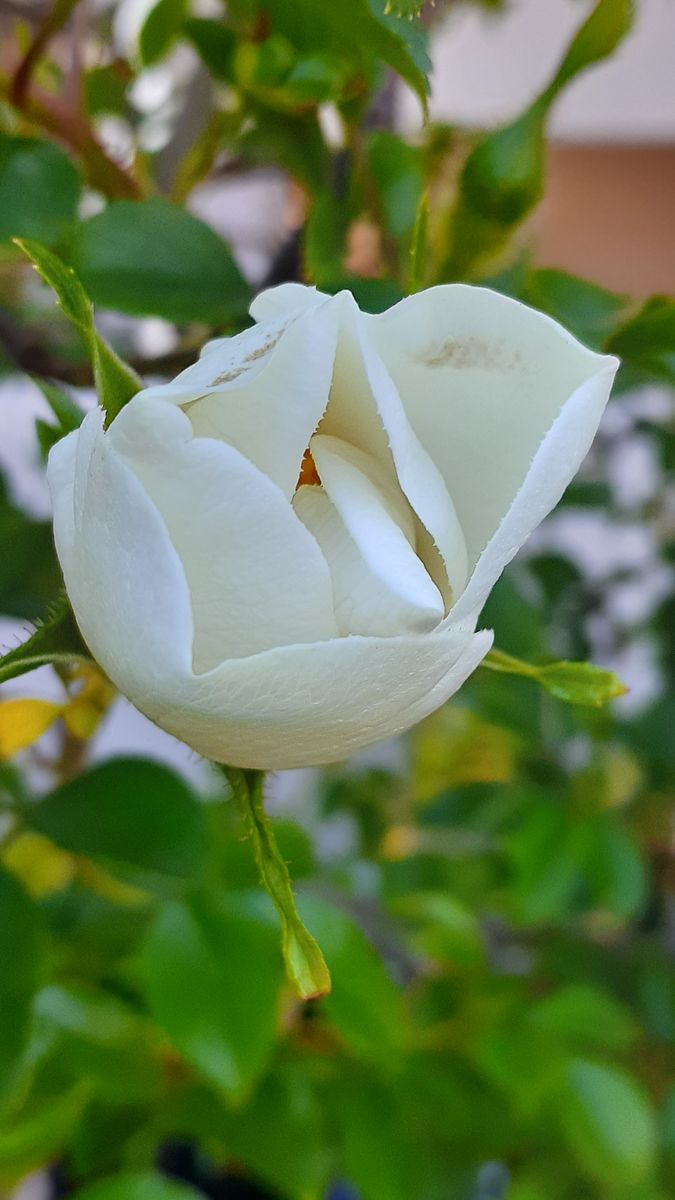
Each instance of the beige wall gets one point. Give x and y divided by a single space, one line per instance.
609 215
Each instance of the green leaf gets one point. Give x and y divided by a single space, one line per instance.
292 142
548 853
608 1122
21 952
69 415
402 44
517 621
115 381
101 1038
590 311
397 170
29 572
106 88
647 340
580 683
376 1151
371 295
315 79
575 683
410 9
128 813
364 1003
279 1135
362 30
64 283
302 956
160 30
584 1015
215 44
447 930
617 870
39 1134
39 189
88 1013
94 930
56 640
152 258
212 978
324 239
128 1186
589 494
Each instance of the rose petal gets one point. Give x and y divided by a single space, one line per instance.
380 585
257 578
305 705
483 378
285 299
123 576
558 458
263 392
365 409
365 602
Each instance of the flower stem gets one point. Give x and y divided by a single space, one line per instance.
304 961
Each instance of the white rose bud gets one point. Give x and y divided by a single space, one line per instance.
281 556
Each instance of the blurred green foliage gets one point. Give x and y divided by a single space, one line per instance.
498 923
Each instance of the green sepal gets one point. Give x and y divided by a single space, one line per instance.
56 640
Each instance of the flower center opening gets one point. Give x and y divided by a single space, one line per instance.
309 476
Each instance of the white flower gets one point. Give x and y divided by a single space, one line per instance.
281 556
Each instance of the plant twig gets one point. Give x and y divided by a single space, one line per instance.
51 114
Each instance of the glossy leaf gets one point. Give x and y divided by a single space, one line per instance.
160 29
608 1122
590 311
130 814
126 1186
39 190
364 1004
397 170
38 1135
151 257
21 953
212 978
29 574
361 28
647 340
575 683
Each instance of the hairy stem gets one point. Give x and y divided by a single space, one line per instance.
304 961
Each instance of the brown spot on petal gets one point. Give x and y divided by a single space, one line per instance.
227 376
470 352
252 356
